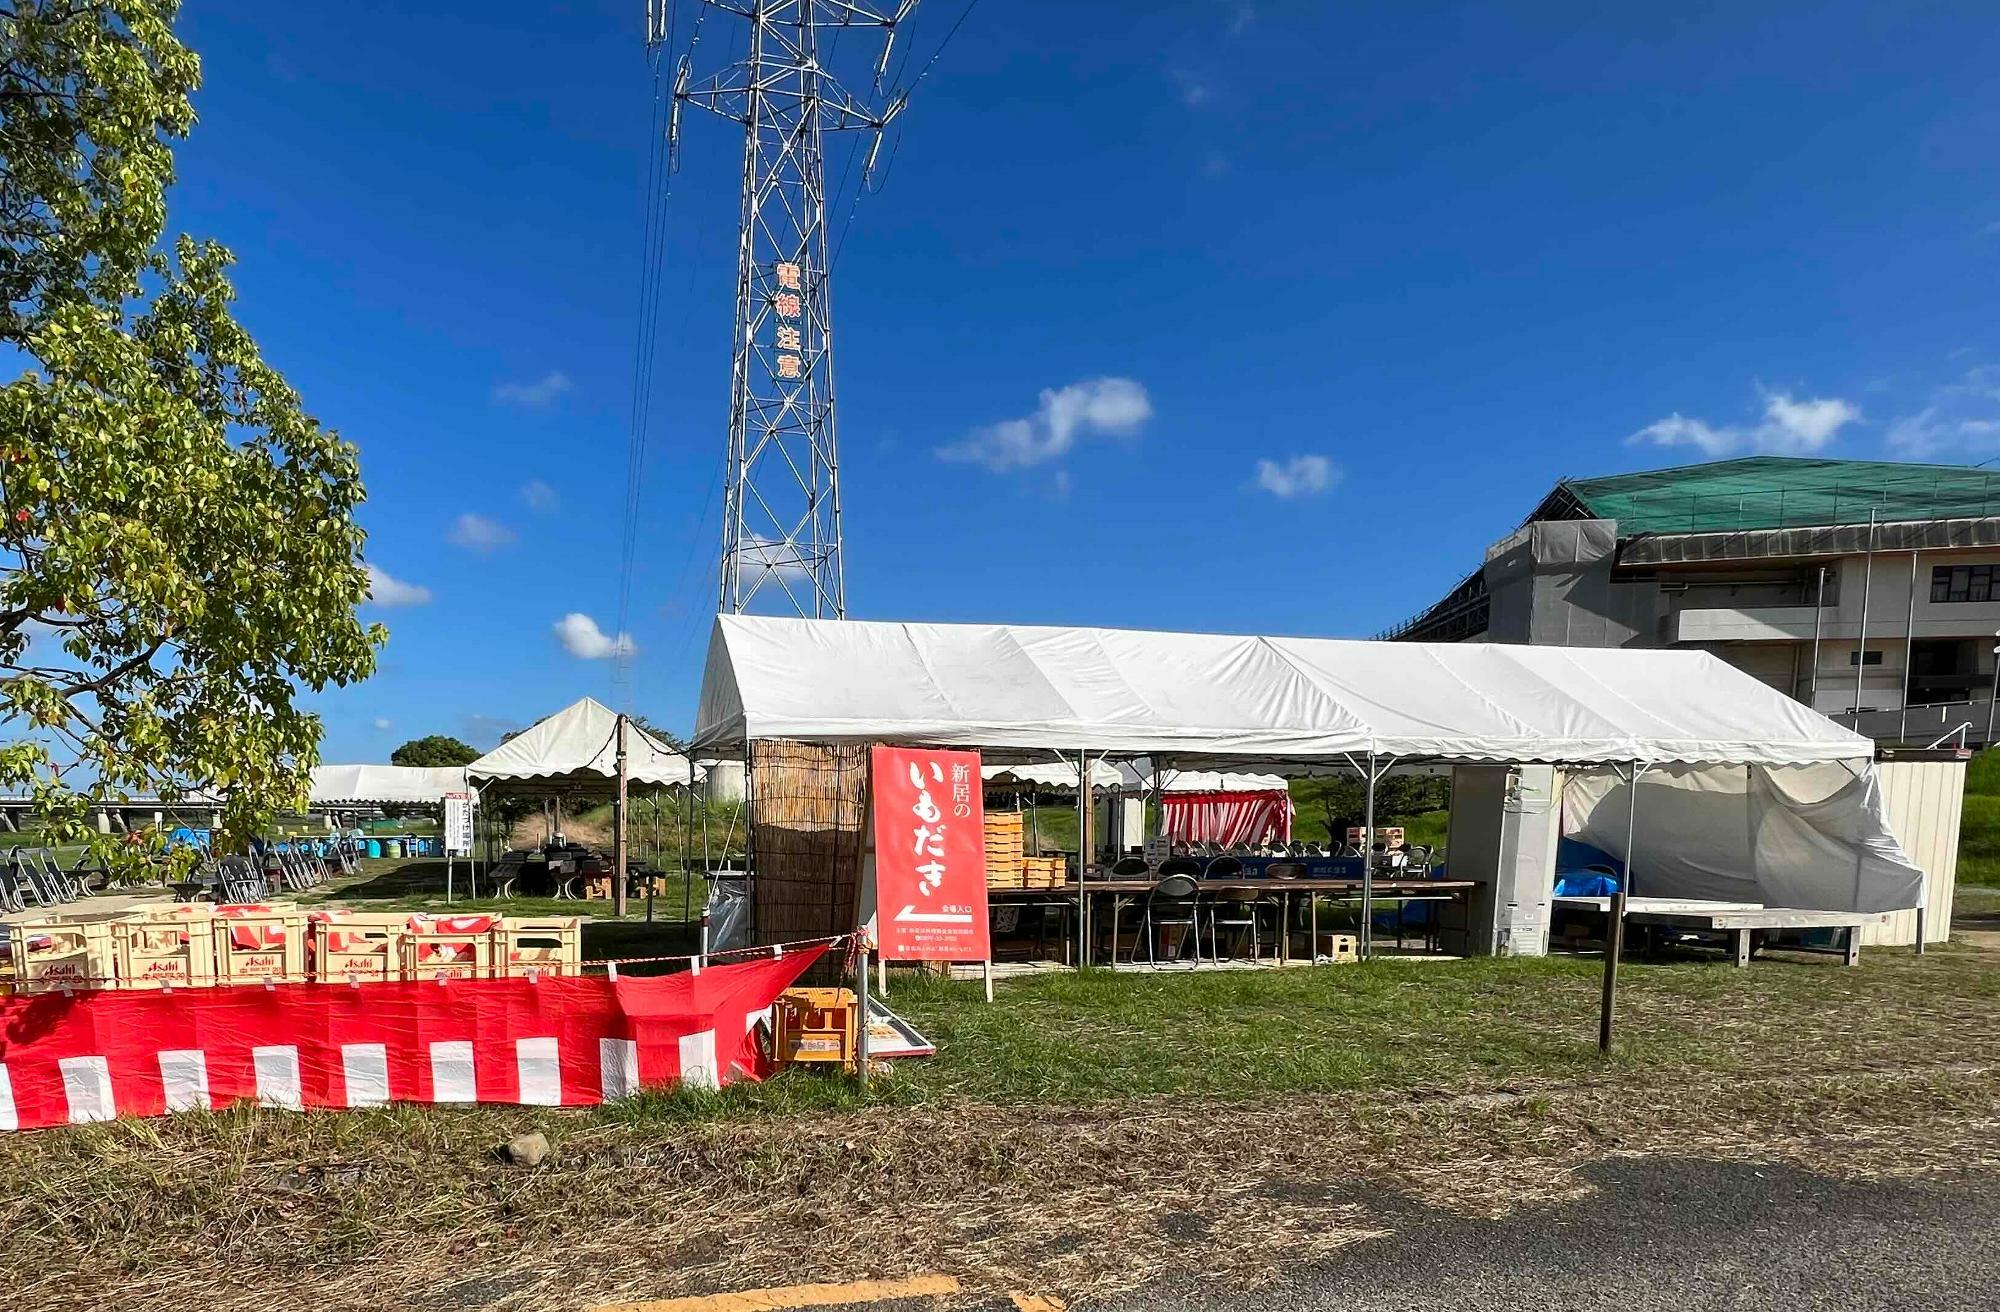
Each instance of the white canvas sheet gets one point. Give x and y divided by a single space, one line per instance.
1210 701
577 748
385 785
1813 837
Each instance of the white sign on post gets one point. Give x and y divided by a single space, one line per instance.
458 824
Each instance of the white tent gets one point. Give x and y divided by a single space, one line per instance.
576 750
1054 776
385 785
1209 781
1204 700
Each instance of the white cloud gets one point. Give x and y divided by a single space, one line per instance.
1962 416
582 639
1991 230
381 722
1109 407
386 591
478 533
1194 92
1789 427
535 394
541 498
1240 19
1301 476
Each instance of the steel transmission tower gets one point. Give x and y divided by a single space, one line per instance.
781 512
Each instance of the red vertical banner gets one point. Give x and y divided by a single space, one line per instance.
930 855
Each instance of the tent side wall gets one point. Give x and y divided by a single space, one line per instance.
1925 799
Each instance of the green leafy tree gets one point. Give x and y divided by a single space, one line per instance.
433 750
179 557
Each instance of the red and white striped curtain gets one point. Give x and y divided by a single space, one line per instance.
1227 818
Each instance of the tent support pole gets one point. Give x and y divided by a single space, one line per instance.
1368 867
621 838
1083 861
1614 933
687 840
1861 640
1819 609
1909 645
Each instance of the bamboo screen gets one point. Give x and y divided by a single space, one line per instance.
808 804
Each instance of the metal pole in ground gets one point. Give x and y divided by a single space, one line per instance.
1368 867
1909 646
1083 861
1614 933
621 840
1819 609
1861 639
861 1018
1993 698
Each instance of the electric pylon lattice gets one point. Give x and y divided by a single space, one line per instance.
781 547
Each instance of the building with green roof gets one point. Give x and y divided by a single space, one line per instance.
1868 589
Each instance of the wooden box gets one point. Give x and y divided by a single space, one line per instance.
815 1025
1337 948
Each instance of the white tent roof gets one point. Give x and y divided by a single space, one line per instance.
1052 775
577 749
379 785
1215 781
1212 700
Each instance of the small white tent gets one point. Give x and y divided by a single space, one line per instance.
385 785
576 750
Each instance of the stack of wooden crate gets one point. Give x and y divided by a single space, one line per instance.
1005 851
1044 871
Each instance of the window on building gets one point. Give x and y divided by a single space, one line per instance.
1866 657
1963 583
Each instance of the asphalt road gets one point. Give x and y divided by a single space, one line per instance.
1658 1233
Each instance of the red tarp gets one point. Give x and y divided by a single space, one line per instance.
554 1041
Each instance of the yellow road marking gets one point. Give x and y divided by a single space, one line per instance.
786 1297
1039 1303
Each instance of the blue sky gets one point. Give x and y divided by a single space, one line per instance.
1423 260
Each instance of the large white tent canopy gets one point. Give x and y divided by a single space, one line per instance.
385 785
576 750
1203 700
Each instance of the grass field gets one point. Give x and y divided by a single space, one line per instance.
1082 1132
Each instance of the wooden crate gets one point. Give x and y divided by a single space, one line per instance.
547 945
1004 850
1337 948
815 1025
259 945
53 955
1044 871
159 954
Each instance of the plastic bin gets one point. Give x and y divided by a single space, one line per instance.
350 948
257 945
374 848
550 945
52 955
158 954
448 947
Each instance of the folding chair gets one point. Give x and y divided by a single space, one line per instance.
1174 902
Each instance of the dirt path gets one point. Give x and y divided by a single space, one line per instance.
403 1208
